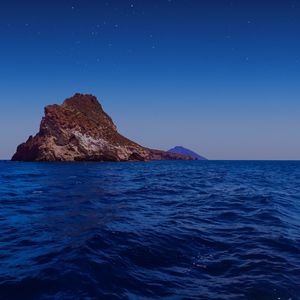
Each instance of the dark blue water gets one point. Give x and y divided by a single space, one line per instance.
170 230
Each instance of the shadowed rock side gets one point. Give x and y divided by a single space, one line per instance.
80 130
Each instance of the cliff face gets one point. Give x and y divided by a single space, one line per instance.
80 130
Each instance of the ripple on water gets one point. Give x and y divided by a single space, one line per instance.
173 230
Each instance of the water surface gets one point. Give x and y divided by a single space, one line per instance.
169 230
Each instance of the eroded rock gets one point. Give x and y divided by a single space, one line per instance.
80 130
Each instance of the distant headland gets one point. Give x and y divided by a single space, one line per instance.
80 130
184 151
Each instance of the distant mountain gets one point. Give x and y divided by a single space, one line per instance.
184 151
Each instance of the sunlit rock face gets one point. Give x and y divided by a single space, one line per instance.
80 130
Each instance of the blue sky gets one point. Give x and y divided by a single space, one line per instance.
219 77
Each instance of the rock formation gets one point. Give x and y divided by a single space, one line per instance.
80 130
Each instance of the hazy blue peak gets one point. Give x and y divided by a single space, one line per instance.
185 151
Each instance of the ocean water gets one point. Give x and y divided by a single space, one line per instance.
157 230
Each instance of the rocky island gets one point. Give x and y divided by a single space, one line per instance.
80 130
184 151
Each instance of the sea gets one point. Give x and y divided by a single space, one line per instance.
150 230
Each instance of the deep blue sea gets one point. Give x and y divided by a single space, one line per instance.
157 230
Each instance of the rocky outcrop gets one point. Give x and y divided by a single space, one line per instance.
80 130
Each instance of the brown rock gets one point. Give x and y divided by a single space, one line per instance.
80 130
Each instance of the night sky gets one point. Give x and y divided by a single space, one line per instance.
219 77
